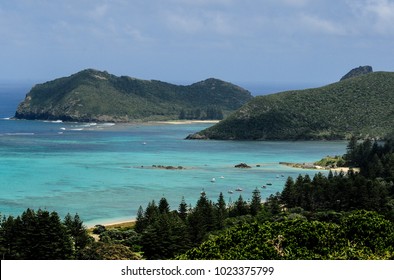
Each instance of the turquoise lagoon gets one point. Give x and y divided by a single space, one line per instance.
104 172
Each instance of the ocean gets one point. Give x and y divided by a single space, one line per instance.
103 171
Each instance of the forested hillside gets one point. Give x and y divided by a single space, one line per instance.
92 95
362 106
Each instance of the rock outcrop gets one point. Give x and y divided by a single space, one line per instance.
361 70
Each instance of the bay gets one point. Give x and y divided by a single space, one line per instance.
104 172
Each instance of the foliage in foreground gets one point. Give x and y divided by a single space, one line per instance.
359 235
42 235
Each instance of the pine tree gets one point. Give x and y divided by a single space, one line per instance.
9 234
56 242
241 207
151 212
350 156
36 236
77 231
255 205
164 207
140 223
201 220
375 167
165 237
221 211
182 210
288 194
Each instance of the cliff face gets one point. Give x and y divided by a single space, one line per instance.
92 95
361 70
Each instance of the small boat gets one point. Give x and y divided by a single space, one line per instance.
230 192
221 177
239 189
263 187
143 143
213 180
269 184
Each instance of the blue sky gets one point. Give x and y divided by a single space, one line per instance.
182 41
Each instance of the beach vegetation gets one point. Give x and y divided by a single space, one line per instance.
108 251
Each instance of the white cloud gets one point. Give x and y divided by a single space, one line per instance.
222 24
185 23
374 15
98 12
206 22
321 25
203 2
298 3
137 35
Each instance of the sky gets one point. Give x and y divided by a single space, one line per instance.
185 41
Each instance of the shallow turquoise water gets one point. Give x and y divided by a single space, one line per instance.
103 172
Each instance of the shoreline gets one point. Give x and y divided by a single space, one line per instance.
132 122
312 166
113 224
184 122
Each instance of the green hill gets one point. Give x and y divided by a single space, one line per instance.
362 106
92 95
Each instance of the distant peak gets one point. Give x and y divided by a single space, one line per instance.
210 81
361 70
92 73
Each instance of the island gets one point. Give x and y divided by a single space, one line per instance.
97 96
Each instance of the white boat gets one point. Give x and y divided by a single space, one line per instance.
239 189
230 192
213 180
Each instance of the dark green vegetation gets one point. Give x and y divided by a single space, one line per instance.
42 235
92 95
339 216
362 106
358 235
331 162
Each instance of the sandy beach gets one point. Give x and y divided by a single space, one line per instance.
116 224
185 121
318 167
